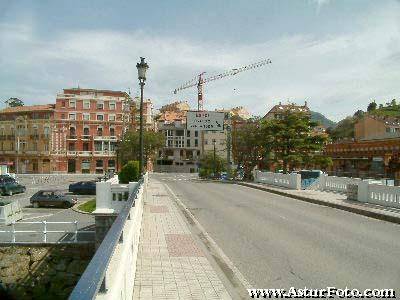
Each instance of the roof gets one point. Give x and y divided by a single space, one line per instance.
171 116
31 108
288 107
387 120
76 90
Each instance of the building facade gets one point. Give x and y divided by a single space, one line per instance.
87 126
26 138
374 152
182 147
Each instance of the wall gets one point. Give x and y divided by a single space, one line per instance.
42 271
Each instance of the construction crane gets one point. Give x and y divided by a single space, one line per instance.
199 80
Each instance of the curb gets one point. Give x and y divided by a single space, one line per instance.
359 211
75 208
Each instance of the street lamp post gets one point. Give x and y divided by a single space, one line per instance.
215 162
142 68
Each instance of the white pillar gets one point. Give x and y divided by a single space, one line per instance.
363 188
295 181
322 181
131 186
103 198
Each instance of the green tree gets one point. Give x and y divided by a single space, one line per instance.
291 140
129 147
208 165
14 102
129 172
372 106
249 146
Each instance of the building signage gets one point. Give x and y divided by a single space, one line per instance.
205 120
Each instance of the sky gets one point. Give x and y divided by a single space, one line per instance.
337 55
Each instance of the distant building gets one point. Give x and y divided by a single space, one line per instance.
375 151
278 110
373 127
182 147
88 125
175 106
26 138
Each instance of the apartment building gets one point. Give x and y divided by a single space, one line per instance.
26 138
88 125
182 147
276 112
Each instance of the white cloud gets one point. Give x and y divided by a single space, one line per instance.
336 74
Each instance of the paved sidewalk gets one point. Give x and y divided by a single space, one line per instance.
332 199
170 264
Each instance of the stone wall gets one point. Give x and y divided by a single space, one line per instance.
42 271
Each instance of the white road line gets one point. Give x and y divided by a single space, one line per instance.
37 217
219 251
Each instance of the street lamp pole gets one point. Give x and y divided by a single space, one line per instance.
215 167
142 68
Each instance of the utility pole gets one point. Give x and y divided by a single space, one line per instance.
215 163
228 148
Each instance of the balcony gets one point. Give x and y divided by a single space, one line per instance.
84 153
104 153
71 137
72 153
86 137
105 138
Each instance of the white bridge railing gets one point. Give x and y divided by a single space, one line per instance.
290 181
46 234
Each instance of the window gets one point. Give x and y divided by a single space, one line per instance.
46 131
72 103
86 117
111 163
100 105
85 165
86 131
99 117
100 131
86 104
196 133
112 131
72 116
188 133
62 116
111 117
63 103
46 147
196 142
72 132
98 146
71 147
99 163
85 146
187 143
205 142
111 105
179 133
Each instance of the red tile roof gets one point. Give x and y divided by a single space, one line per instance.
31 108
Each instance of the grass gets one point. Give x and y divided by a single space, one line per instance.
88 206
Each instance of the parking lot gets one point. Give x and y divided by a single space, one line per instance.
31 214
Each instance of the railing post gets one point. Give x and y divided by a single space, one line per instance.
44 231
76 231
13 232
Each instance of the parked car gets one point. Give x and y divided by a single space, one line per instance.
53 198
9 186
83 188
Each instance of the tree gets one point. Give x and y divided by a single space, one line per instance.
14 102
372 106
249 146
207 165
393 102
291 140
358 114
129 147
129 172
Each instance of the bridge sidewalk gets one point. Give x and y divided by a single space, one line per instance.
332 199
170 264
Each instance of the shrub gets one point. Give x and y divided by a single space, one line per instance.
129 172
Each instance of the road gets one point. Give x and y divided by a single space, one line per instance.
48 214
280 242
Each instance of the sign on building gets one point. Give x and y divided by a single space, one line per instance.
205 120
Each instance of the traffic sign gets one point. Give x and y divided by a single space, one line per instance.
205 120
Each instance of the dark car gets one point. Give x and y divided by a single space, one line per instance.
83 188
53 198
9 186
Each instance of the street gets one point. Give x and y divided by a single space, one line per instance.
48 214
280 242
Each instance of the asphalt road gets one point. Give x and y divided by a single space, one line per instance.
280 242
30 214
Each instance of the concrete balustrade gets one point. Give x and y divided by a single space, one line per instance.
379 194
336 184
10 212
290 181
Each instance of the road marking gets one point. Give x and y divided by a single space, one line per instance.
219 251
37 217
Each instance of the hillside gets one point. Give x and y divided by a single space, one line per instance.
389 111
318 117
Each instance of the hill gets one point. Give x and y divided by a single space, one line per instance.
318 117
